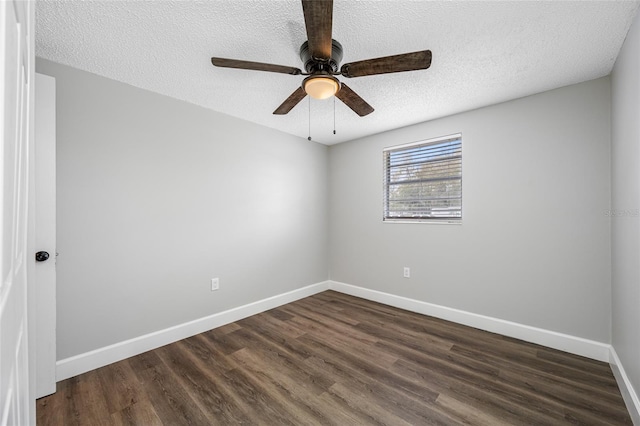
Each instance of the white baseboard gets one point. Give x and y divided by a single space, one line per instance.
626 388
564 342
88 361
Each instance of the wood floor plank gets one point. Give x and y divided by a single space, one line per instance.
579 380
393 332
217 401
369 411
285 362
468 414
497 401
170 400
412 401
326 310
283 334
249 395
336 359
301 399
223 341
575 362
143 361
80 402
121 387
278 329
353 416
140 413
314 320
201 348
56 408
410 408
519 389
342 341
592 403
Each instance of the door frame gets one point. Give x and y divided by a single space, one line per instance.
43 228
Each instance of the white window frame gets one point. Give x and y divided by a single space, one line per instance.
386 181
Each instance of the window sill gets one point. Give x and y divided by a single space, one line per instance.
425 221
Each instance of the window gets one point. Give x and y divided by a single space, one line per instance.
423 181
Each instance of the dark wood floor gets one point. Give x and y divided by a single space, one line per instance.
337 359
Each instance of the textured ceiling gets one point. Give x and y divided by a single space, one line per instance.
483 52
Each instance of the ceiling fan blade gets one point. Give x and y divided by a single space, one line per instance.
257 66
397 63
354 101
291 101
318 16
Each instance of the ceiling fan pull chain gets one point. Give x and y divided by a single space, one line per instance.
334 115
309 138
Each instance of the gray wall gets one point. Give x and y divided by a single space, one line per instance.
534 246
157 196
625 200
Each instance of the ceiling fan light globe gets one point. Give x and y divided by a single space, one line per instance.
322 87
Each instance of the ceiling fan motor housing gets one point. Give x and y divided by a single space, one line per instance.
320 65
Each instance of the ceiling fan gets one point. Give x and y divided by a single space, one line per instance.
321 56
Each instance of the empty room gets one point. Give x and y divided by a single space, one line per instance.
288 212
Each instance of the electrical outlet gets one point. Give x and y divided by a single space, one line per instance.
407 272
215 284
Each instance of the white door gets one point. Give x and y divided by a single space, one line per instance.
17 406
44 229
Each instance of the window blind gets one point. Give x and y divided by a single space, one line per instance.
423 181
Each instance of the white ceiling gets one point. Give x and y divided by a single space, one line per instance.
484 52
